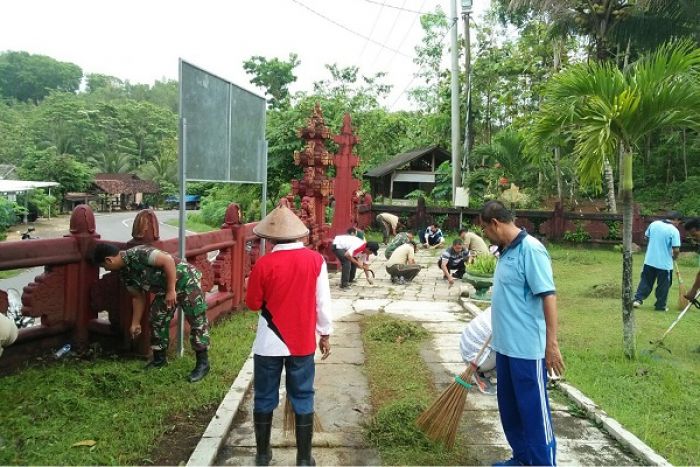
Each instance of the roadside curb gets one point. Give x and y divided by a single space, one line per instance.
214 436
613 427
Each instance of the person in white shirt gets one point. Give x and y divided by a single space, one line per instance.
348 249
8 332
470 343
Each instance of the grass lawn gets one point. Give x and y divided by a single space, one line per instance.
10 273
655 398
192 225
113 402
401 388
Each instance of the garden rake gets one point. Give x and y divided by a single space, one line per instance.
660 342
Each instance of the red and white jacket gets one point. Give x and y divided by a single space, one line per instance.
290 288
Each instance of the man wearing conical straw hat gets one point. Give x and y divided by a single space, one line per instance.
290 288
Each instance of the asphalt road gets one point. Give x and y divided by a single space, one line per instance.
110 226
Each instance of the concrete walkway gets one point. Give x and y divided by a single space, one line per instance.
342 393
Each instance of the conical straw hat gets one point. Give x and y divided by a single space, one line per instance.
281 224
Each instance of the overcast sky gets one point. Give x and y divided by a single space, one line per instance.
141 40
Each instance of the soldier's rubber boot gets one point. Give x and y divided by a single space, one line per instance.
263 427
304 432
201 368
159 360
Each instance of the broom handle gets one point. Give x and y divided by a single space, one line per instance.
678 274
473 365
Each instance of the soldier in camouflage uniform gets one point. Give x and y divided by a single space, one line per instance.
145 269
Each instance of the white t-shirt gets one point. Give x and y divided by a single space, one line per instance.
8 331
355 245
474 336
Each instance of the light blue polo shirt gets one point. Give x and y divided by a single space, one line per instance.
523 277
663 236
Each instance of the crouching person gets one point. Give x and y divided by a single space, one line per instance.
290 288
145 269
402 266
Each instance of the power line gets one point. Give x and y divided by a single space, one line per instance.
376 20
391 30
413 24
454 22
401 8
350 30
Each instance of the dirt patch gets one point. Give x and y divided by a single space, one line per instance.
184 431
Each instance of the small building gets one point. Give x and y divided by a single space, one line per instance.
122 190
73 199
406 172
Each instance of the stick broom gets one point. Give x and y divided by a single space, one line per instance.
441 420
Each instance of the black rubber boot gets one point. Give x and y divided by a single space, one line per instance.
159 360
263 427
201 368
304 432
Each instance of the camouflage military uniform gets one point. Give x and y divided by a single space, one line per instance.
140 275
397 241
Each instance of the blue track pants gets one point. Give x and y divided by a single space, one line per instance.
524 409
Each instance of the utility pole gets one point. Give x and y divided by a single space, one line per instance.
466 12
456 169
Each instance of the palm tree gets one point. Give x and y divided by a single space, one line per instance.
610 25
113 162
601 107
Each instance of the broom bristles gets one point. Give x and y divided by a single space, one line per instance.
441 420
289 422
682 301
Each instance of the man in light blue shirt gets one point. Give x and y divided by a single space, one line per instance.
524 321
662 250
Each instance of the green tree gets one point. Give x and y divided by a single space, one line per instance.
603 108
27 77
49 165
273 75
111 163
96 81
429 56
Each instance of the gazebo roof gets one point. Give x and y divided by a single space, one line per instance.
404 158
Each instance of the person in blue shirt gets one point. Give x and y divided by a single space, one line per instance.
662 249
432 237
524 323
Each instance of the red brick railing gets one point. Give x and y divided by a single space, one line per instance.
70 295
551 225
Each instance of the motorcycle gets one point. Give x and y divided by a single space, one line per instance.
28 234
14 310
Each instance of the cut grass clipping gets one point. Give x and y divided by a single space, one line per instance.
109 411
401 389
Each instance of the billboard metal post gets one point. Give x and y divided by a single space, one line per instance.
222 139
181 232
263 205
